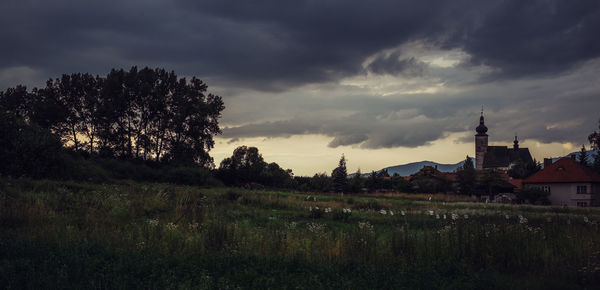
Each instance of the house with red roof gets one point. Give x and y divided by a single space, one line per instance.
568 182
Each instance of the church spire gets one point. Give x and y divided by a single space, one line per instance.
481 129
516 143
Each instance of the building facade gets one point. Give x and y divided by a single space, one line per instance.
568 182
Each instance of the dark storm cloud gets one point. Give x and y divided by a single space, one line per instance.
366 130
271 45
524 38
559 109
265 46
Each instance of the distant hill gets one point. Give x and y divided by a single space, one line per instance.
411 168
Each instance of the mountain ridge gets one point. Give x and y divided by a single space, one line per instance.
413 167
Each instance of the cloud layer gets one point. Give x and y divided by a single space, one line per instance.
374 74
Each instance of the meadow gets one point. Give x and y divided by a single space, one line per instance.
124 235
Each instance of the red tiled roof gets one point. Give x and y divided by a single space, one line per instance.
564 170
518 183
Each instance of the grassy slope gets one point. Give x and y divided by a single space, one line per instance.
139 235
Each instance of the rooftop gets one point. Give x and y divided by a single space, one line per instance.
564 170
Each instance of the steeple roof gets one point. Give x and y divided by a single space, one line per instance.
481 129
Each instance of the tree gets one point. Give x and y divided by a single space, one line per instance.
491 182
467 177
357 182
340 176
28 150
594 139
147 114
521 169
321 182
372 183
400 184
583 156
246 165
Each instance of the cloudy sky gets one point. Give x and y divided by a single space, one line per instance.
383 82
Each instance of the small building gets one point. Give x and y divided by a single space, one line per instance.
568 182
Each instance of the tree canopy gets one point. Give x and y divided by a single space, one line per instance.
246 166
147 114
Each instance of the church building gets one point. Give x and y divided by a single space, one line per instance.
498 157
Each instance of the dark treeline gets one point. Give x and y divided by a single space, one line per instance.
146 116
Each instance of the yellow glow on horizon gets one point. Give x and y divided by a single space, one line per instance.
309 154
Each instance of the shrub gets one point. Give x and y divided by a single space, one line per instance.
533 195
29 150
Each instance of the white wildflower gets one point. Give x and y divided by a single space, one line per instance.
437 216
328 209
171 226
444 216
391 212
454 216
429 198
522 220
430 212
315 227
506 216
402 213
383 211
365 226
153 222
585 219
466 216
291 225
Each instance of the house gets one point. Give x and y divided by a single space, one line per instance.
496 157
568 182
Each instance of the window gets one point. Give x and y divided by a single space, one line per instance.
581 188
546 188
582 204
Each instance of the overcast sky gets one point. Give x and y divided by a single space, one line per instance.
383 82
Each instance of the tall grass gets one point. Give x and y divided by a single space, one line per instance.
87 224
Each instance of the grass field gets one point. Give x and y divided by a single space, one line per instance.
156 236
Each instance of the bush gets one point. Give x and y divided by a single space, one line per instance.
190 176
29 150
533 195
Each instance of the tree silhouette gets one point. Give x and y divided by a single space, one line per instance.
147 114
466 177
583 156
340 176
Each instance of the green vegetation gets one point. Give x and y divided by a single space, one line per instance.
56 234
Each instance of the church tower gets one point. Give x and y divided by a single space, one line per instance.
481 143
